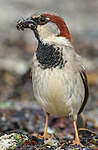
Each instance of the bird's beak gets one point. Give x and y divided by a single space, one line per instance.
26 23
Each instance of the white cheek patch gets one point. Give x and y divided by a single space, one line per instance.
49 32
43 32
53 28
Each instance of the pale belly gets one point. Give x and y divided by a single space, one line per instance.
58 93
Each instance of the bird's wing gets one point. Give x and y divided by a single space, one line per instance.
85 82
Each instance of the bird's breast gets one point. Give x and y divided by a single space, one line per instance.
54 90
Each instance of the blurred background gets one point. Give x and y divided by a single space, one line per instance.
18 109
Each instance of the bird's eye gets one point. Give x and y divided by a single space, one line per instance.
42 20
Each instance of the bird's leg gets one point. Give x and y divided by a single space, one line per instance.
77 140
46 127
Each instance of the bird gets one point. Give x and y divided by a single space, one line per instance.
58 76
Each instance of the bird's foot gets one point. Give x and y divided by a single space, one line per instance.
45 136
77 142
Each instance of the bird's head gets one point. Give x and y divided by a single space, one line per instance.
47 28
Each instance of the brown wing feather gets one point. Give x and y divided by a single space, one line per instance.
85 82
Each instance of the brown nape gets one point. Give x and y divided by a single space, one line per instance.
64 32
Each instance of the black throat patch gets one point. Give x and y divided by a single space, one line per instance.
49 56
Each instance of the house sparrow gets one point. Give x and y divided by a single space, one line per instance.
58 76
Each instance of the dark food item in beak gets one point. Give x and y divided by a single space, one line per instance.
25 23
